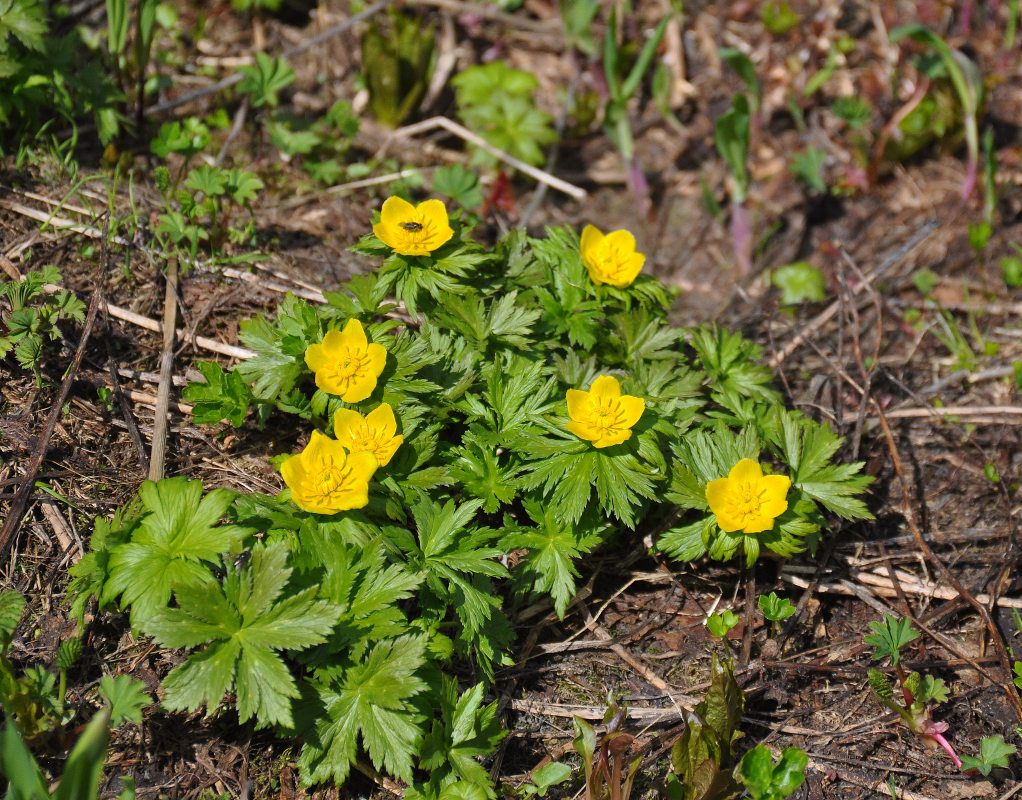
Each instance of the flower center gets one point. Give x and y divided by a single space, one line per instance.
746 500
349 364
604 416
330 479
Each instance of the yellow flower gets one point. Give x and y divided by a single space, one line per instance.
346 364
325 479
374 433
612 258
747 500
603 415
413 230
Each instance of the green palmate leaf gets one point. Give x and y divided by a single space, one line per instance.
24 21
553 548
375 700
280 348
224 395
480 472
126 696
456 561
264 79
177 533
465 731
458 183
993 752
244 624
808 447
889 636
732 363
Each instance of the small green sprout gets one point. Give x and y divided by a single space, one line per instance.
993 752
552 774
779 18
799 282
265 79
918 691
719 624
774 608
766 780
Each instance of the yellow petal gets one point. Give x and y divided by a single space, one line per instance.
387 234
612 437
385 452
293 472
395 211
381 419
346 423
377 358
727 523
621 241
591 238
629 271
605 387
322 450
316 357
773 508
582 430
352 336
578 404
716 494
333 345
758 524
360 386
434 211
775 486
362 466
745 470
331 384
632 408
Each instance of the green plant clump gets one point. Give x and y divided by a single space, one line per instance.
348 610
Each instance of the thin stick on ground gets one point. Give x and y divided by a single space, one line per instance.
20 501
159 444
464 133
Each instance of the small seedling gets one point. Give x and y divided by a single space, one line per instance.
775 609
552 774
968 85
918 691
34 316
799 282
807 168
616 123
497 102
766 780
265 79
993 752
397 65
701 759
720 624
731 135
779 18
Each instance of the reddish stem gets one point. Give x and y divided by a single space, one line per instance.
971 170
741 233
939 739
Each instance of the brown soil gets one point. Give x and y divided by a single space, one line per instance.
931 424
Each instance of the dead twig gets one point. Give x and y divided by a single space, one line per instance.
159 443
